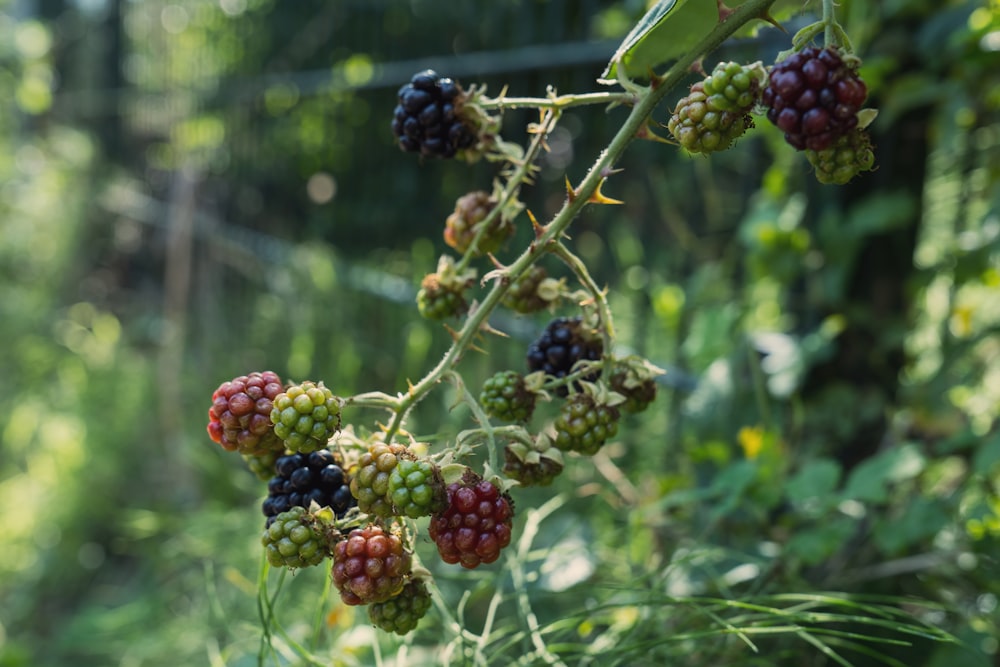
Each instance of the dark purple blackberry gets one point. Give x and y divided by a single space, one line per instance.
563 343
427 119
303 478
814 97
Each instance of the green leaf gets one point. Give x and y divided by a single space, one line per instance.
987 456
870 480
815 484
668 30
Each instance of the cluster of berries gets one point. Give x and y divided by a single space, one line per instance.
316 490
814 96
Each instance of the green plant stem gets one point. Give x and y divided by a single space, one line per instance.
600 296
558 102
514 181
829 21
645 104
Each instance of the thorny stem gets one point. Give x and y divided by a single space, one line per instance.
646 102
599 296
514 182
558 102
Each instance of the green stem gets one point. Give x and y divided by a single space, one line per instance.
558 102
829 21
645 103
600 297
514 181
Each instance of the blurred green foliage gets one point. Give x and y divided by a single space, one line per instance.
191 190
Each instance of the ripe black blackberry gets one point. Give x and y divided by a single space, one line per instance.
814 96
428 118
563 343
303 478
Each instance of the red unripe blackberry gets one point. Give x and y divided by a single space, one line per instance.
370 566
533 291
439 300
429 120
814 97
298 480
475 526
464 224
563 343
400 614
638 393
240 416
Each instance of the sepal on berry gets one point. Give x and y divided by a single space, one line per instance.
441 293
535 463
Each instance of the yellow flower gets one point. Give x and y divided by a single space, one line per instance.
751 439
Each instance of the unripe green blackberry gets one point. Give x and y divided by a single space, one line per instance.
733 87
464 224
305 416
400 614
438 300
296 538
239 418
583 425
415 488
847 157
638 393
505 397
370 566
537 465
262 465
370 482
701 127
533 291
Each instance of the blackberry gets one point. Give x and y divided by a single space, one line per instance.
415 488
300 479
476 524
563 343
813 96
534 466
296 538
370 484
428 118
400 614
465 223
438 300
239 418
701 127
532 292
584 425
638 392
370 566
505 397
305 416
847 157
